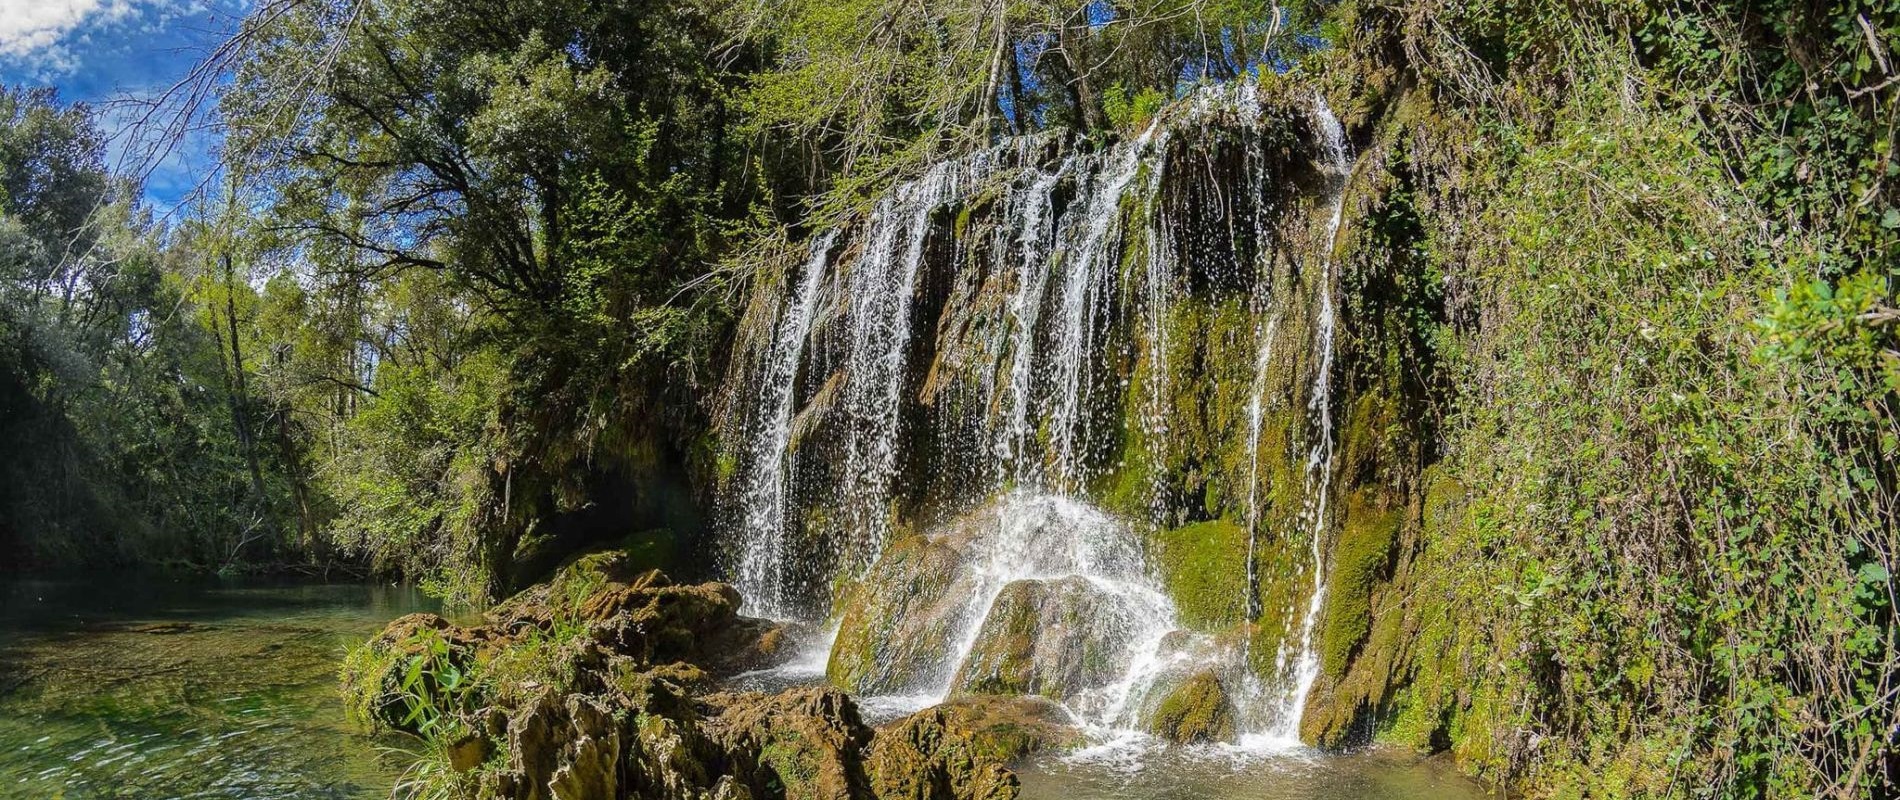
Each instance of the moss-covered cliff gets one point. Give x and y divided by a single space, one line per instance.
1602 483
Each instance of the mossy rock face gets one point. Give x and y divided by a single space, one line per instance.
898 620
1204 569
1054 638
1198 711
1360 558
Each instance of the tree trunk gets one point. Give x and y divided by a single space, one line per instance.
1074 46
239 394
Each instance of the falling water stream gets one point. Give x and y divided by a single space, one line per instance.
1319 462
758 573
1037 547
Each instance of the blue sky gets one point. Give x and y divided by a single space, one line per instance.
101 50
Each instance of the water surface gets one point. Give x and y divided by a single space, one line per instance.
1147 772
141 687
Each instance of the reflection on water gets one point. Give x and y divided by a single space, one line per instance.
117 687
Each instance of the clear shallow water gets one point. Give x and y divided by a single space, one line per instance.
1145 772
116 687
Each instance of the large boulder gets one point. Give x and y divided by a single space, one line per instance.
1197 711
900 621
1005 729
929 756
1055 638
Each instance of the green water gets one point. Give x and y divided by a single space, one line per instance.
118 687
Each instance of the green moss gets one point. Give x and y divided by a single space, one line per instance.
362 680
1204 568
1196 712
794 763
656 548
1003 661
1359 558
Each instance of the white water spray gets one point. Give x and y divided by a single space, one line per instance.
760 573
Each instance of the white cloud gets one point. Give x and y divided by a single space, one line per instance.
33 29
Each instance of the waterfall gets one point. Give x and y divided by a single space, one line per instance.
1319 461
1055 322
883 283
1045 538
1256 418
1088 271
760 572
1159 287
1036 225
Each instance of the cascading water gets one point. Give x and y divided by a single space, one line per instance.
1036 224
883 282
760 571
1319 461
1056 279
1256 419
1046 539
1088 271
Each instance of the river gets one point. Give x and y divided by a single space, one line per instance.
143 687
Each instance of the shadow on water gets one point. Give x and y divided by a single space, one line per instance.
145 687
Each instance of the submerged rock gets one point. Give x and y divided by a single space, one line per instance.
600 685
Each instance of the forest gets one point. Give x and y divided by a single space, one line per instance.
1509 385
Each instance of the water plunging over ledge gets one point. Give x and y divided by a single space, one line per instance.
1026 297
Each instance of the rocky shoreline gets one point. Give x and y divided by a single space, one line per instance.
606 683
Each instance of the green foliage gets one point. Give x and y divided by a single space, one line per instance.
486 299
433 684
853 94
1671 437
1129 113
126 434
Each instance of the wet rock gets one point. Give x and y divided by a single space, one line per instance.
1005 729
928 756
898 621
1054 638
1198 711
